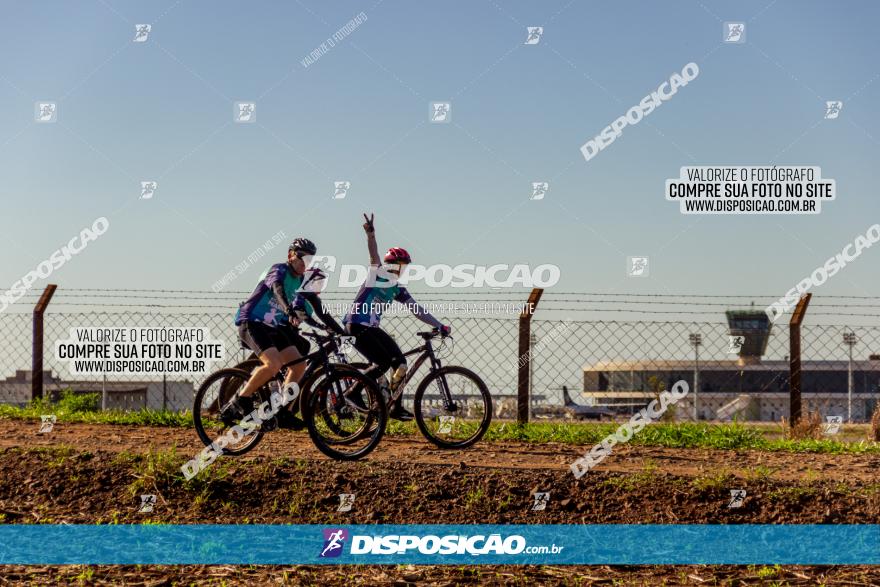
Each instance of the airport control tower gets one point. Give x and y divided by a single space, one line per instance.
754 326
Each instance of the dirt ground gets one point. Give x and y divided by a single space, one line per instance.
495 455
95 473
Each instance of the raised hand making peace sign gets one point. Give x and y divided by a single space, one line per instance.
368 225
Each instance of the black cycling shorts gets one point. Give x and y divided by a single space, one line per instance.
377 346
260 337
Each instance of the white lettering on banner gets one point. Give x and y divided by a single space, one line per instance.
445 545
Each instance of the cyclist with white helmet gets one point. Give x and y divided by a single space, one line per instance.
286 295
362 320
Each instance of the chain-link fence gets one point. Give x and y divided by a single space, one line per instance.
739 369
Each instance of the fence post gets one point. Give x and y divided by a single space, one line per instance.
37 348
524 358
794 333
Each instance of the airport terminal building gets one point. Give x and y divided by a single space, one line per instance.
745 386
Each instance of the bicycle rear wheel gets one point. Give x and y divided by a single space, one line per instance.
344 414
458 423
212 395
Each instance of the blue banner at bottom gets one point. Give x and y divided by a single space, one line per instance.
441 544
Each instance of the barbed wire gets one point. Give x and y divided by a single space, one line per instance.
484 292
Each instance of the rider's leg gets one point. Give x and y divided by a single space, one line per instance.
263 340
294 372
272 361
369 343
393 358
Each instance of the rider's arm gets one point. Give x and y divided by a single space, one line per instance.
275 280
320 311
419 311
375 259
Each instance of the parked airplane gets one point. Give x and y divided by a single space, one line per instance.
579 412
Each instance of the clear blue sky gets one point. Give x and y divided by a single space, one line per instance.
454 193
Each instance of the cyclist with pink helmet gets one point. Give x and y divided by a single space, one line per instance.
362 321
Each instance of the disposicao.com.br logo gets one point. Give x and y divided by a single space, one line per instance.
431 544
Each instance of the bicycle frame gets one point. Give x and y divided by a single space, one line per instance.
427 353
317 360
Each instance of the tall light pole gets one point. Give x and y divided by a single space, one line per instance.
696 340
850 340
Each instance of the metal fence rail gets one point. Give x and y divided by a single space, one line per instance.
611 364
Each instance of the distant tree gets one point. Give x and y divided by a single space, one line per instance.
658 386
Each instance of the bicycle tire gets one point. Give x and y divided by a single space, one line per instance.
225 387
419 409
375 422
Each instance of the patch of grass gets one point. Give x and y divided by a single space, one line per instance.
768 572
808 427
474 497
719 481
644 478
759 473
792 494
79 407
734 436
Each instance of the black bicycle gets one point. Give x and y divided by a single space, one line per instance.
452 405
340 406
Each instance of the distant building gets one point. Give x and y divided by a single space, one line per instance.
624 386
746 387
122 395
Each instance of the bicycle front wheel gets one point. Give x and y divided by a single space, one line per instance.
453 407
212 395
344 414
